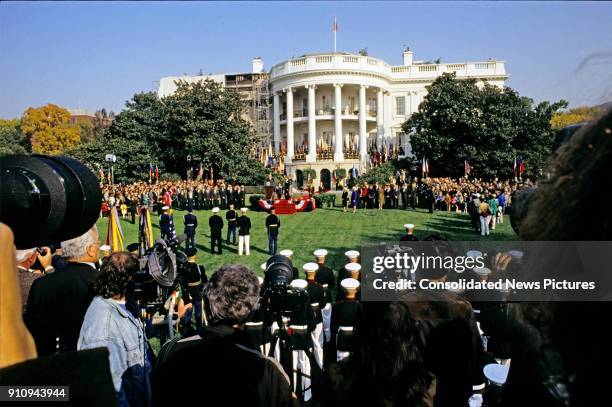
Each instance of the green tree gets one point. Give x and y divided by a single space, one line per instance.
488 126
381 174
10 140
133 157
49 130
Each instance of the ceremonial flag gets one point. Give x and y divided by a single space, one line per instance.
335 30
101 172
114 235
515 168
423 168
150 172
145 230
156 173
522 167
200 173
212 174
467 168
427 166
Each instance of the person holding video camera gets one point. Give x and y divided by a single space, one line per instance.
109 324
222 362
58 301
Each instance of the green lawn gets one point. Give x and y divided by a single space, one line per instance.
327 228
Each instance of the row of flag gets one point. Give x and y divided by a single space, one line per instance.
151 172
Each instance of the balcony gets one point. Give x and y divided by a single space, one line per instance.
359 63
325 155
351 155
301 156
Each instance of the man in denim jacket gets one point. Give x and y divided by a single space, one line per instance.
109 324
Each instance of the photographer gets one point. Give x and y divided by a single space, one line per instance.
222 362
109 324
58 301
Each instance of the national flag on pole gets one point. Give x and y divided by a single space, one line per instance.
150 171
335 26
145 230
467 168
515 168
427 166
522 167
423 168
156 172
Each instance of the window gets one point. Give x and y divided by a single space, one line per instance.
351 103
325 102
400 105
372 104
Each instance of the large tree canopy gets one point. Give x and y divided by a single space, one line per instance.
202 120
49 129
10 140
488 126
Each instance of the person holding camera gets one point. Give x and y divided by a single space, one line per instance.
58 301
222 362
109 324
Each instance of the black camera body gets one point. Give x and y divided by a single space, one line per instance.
278 297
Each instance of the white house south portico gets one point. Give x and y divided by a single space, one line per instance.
329 110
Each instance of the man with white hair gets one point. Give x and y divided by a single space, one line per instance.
58 301
25 260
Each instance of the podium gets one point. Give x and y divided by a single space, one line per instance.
268 190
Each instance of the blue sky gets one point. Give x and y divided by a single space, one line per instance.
94 55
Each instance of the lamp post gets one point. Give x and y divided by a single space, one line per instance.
111 159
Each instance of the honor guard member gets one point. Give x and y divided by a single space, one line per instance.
409 237
133 248
301 341
231 216
216 226
244 233
315 298
345 315
353 257
273 226
166 224
325 277
195 278
289 254
191 223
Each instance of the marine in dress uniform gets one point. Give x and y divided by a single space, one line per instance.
191 223
353 257
216 226
325 277
316 297
409 237
289 254
273 226
244 233
345 315
166 224
231 216
193 282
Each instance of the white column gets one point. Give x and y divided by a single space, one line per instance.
290 147
380 126
277 135
363 150
339 140
312 127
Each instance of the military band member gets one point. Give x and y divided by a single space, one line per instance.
231 216
273 226
216 226
191 223
409 237
345 315
244 233
325 277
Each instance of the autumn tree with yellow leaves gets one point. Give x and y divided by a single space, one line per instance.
49 130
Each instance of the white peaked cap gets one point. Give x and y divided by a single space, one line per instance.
349 284
264 266
299 283
477 195
286 253
260 279
482 270
352 254
244 209
215 209
320 253
474 253
353 267
105 248
310 267
165 208
408 226
515 253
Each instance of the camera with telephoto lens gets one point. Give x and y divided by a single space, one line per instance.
159 267
278 296
45 200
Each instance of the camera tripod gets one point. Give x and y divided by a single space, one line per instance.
287 345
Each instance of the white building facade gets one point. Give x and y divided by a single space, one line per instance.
330 110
